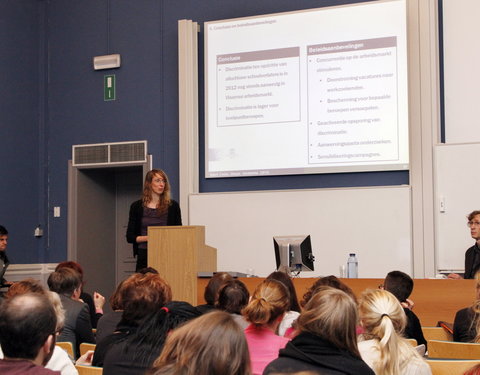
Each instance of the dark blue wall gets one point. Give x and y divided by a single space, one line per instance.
21 125
53 99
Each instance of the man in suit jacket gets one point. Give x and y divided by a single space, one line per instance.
78 327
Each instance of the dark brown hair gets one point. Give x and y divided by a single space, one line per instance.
472 214
214 284
287 280
64 281
331 281
232 297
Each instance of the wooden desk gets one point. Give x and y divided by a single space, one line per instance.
434 299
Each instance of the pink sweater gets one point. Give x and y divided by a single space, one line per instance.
263 345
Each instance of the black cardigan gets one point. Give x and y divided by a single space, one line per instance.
174 217
309 352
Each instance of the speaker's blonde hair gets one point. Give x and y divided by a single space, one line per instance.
384 320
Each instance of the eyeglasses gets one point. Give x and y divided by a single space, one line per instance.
473 224
159 180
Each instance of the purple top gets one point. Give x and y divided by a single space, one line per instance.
151 218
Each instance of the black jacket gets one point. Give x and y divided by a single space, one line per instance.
308 352
464 326
134 228
472 262
413 330
4 262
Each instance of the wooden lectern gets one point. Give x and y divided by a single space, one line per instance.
178 253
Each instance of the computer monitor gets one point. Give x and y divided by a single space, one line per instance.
293 254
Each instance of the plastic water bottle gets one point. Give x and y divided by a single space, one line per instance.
352 266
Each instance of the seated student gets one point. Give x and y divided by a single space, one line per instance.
294 310
401 286
327 340
331 281
27 334
466 327
472 255
108 322
136 353
211 290
233 297
4 262
60 361
270 301
212 344
78 328
383 348
141 295
95 304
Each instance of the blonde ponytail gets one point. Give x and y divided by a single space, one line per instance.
383 318
270 300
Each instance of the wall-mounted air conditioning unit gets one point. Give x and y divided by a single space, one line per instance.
109 153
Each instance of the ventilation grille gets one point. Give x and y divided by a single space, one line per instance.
109 153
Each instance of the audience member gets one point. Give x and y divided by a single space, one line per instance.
95 304
331 281
27 334
384 349
472 255
466 327
233 297
141 295
401 286
4 262
108 322
327 341
212 344
136 353
211 290
270 301
78 328
60 361
294 310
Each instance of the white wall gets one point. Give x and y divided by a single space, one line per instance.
461 56
372 222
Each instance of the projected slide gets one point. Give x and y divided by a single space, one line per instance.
263 82
352 94
315 91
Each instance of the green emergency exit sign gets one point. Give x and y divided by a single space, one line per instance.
109 87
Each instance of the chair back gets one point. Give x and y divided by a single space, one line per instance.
453 350
412 342
450 366
85 347
89 370
436 333
67 346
